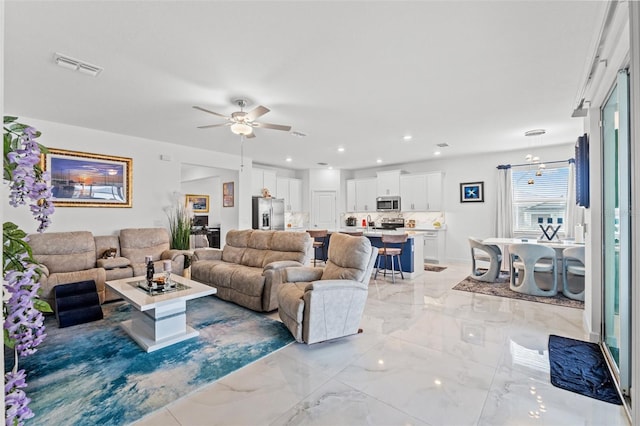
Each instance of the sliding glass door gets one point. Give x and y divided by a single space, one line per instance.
616 251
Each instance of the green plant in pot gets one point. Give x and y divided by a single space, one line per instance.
180 219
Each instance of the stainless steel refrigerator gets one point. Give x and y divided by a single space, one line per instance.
268 213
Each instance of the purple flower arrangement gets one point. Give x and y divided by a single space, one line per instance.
23 319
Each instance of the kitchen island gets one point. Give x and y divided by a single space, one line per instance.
412 250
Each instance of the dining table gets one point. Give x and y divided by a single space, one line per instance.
556 244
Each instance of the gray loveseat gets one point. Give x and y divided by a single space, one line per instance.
248 270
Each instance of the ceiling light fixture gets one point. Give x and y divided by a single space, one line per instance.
436 153
407 137
530 158
379 161
241 129
288 159
76 65
340 149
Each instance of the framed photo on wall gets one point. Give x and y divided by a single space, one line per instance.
227 194
82 179
472 192
199 203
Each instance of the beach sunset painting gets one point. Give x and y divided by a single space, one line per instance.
89 179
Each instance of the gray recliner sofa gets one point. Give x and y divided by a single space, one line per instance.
68 257
248 270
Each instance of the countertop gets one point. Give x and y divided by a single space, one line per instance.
379 232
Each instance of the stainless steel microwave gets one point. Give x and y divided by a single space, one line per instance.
388 204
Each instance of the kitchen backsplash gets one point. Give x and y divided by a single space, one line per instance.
422 219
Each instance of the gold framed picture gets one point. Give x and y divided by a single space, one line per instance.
82 179
199 203
227 194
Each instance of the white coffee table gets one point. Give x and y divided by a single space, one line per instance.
159 320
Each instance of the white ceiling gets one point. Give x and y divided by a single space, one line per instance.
359 74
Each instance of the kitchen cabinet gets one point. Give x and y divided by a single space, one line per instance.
434 192
388 183
261 178
351 196
366 190
421 192
434 246
290 190
361 195
413 193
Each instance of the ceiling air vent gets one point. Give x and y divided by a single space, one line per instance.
76 65
443 145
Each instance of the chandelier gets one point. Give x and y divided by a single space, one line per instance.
533 160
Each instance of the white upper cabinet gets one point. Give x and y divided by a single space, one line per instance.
434 192
270 181
421 192
261 178
413 194
291 191
351 196
361 195
366 193
388 183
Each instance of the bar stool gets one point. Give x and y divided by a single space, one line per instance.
319 242
353 233
389 253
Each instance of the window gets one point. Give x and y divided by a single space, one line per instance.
541 202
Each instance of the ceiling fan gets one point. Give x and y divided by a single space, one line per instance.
242 122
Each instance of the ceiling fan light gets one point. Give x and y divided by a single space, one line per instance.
241 129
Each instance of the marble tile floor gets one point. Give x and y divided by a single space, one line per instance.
429 355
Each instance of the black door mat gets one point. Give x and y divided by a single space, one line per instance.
580 367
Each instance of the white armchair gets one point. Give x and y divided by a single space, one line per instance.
318 304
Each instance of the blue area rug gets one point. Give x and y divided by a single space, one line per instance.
580 367
94 373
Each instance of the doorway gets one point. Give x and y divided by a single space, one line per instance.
323 210
616 244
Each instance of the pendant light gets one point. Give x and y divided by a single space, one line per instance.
532 159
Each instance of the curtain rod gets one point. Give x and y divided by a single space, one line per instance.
508 166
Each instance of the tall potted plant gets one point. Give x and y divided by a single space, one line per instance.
180 220
23 320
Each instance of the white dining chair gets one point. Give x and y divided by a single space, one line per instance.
573 269
533 269
489 254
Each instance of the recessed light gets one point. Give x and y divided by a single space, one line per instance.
340 149
407 137
330 167
436 153
379 161
288 159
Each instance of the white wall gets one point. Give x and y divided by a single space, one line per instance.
471 219
225 217
154 180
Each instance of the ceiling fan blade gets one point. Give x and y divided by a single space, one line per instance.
258 111
211 112
213 125
272 126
